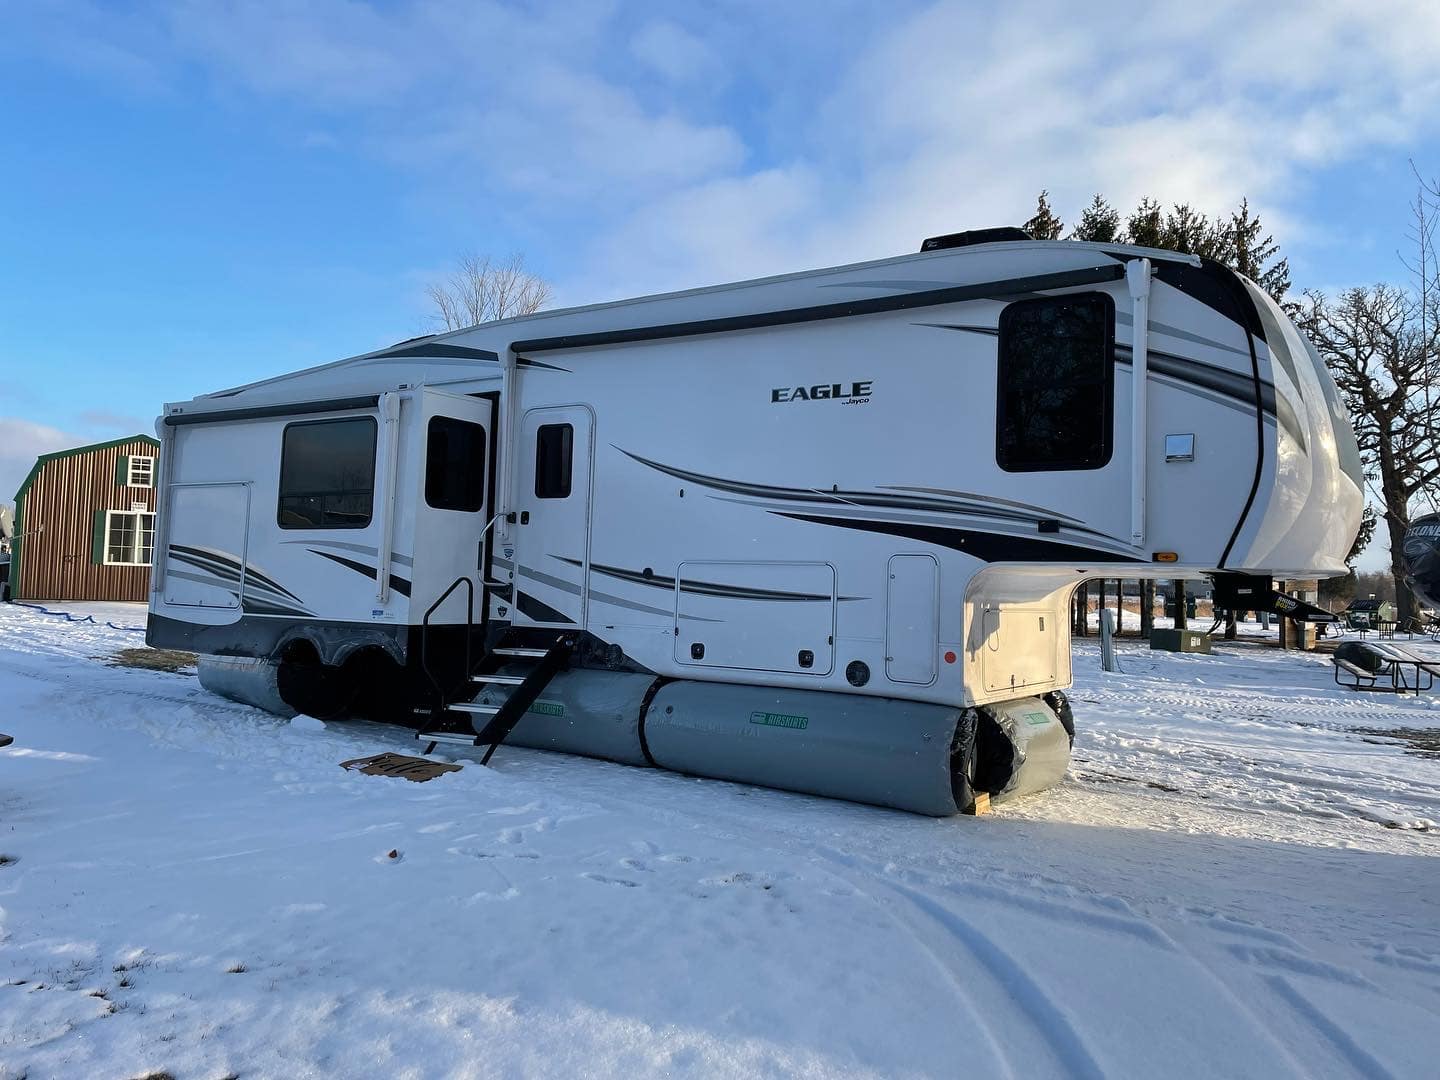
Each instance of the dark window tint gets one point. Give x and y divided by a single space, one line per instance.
327 474
554 451
455 464
1056 369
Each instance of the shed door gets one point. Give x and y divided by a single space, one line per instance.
912 619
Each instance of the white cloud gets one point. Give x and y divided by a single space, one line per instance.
674 52
959 115
21 442
758 138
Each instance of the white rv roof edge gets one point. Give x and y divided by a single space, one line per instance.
539 316
796 275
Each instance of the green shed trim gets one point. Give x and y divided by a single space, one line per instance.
40 462
97 536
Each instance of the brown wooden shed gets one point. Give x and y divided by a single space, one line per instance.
85 523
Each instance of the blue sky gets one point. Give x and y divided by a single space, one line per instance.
198 194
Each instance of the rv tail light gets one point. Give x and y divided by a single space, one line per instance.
1165 556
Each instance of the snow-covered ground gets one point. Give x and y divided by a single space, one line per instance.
1232 882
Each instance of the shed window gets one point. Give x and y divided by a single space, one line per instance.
1056 373
455 464
554 453
129 538
327 474
141 472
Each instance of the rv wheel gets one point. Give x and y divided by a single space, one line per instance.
1059 704
995 758
311 687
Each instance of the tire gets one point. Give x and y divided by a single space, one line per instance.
1060 705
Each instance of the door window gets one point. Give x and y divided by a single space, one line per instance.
554 455
455 464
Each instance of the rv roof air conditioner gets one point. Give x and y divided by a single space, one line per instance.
975 236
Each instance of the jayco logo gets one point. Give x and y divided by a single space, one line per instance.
858 393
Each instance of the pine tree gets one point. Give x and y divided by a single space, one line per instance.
1145 227
1188 231
1099 223
1253 255
1044 225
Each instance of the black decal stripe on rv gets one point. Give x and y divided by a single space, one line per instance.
986 546
956 294
896 284
438 350
1124 318
1184 369
996 510
220 559
989 331
703 588
249 604
525 361
1220 380
399 584
986 502
254 606
229 581
574 590
1259 449
540 612
260 412
361 549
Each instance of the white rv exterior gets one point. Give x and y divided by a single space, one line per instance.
855 480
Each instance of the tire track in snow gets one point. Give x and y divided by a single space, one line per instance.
1121 920
1041 1011
1359 1059
1028 1004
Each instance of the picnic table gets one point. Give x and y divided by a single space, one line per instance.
1385 666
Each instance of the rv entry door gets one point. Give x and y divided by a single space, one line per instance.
552 553
456 454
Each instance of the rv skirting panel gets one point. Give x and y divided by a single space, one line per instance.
239 678
1039 746
593 713
872 750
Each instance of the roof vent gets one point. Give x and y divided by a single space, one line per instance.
975 236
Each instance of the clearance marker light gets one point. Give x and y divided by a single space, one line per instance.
1165 556
949 658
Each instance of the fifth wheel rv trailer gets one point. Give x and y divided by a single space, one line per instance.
817 531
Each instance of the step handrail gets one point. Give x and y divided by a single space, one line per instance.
463 579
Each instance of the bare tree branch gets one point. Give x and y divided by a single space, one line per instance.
1380 347
482 290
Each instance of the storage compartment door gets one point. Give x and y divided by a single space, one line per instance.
760 616
912 619
205 531
1021 652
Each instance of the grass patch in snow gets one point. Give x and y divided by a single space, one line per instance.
148 659
1423 741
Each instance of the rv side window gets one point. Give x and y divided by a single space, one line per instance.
327 474
455 464
1056 374
554 449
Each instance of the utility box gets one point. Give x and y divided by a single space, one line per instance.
1180 641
